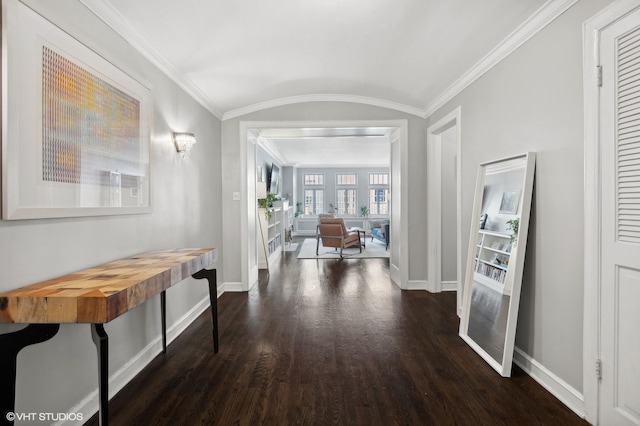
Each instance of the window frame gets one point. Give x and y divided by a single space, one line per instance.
317 186
375 179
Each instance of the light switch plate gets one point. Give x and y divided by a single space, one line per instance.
236 196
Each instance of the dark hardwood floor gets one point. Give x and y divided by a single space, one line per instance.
329 342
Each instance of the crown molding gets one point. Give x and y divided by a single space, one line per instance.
110 16
346 166
540 19
322 98
272 151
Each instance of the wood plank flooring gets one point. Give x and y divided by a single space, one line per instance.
330 342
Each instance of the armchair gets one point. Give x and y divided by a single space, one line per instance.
334 233
380 231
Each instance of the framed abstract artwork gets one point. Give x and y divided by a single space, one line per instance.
76 129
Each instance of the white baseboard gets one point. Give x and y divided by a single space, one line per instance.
88 406
233 287
569 396
449 285
445 286
416 285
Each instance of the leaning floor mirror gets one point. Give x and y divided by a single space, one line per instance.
496 256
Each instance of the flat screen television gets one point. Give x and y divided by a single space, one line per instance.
274 177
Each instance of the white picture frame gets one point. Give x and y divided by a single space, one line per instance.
64 142
509 203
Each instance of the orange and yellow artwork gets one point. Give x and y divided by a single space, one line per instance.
89 125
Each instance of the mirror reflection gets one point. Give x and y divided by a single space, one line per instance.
496 255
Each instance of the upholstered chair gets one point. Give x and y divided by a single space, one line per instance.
334 233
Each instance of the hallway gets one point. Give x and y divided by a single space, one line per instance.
331 342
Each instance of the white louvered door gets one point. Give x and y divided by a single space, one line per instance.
619 393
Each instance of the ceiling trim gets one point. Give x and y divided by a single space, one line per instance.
540 19
322 98
110 16
346 166
273 151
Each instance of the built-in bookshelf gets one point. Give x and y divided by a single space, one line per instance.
286 221
492 259
269 235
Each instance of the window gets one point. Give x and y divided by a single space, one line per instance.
346 194
346 204
347 179
313 202
378 201
379 179
313 193
313 180
378 193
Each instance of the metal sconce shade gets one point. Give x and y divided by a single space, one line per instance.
184 142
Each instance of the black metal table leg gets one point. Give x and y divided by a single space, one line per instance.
163 320
101 341
10 345
211 276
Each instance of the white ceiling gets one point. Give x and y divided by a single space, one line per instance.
328 147
237 56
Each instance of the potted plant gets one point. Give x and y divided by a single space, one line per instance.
267 204
364 211
514 225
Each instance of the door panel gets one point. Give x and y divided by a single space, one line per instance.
619 395
626 342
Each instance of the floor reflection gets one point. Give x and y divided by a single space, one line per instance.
488 319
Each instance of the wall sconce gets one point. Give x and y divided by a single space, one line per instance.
184 142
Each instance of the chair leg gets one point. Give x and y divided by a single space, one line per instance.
317 244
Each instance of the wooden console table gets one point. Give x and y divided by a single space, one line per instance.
96 296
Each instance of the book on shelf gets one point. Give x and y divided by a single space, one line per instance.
496 274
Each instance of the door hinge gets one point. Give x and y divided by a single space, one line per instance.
599 75
599 369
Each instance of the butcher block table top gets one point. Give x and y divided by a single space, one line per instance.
100 294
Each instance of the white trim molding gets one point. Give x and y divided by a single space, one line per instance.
434 198
399 129
110 16
322 98
449 285
416 285
230 287
567 394
543 17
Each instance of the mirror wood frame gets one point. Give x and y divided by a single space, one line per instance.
515 264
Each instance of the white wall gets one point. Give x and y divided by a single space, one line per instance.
532 101
56 375
323 111
449 257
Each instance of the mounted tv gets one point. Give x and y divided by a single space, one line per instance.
274 178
